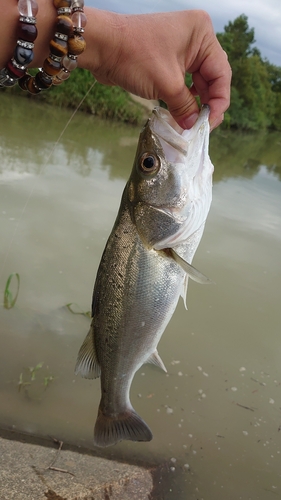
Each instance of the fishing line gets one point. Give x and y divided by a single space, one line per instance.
40 173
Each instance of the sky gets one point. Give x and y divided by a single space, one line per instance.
263 15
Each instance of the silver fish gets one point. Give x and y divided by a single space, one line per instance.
145 266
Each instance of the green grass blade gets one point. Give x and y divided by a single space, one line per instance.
9 300
80 311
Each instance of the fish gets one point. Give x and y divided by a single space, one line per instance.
145 266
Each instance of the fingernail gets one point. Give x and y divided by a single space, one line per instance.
190 121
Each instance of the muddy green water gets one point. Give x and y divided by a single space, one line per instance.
216 415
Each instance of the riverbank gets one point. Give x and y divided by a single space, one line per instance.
82 91
36 469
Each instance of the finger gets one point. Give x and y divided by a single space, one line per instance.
215 93
183 107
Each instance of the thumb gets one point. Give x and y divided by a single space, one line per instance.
183 107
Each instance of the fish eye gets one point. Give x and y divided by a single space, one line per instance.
149 163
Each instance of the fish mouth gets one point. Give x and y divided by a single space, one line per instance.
167 129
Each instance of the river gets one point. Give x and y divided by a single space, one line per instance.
216 415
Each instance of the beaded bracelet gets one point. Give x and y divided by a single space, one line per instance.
67 44
23 54
76 42
65 47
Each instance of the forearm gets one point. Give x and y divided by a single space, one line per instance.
101 33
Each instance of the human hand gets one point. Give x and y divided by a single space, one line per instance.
149 54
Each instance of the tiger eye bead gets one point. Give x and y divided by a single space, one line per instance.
64 25
76 45
51 67
27 32
31 86
58 47
62 3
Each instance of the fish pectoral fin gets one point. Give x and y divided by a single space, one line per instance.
155 359
128 425
193 273
87 364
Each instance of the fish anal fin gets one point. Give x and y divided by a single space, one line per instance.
155 359
129 425
87 363
191 271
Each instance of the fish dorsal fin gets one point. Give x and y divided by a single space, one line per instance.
155 359
193 273
87 364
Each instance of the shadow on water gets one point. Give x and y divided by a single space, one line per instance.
216 415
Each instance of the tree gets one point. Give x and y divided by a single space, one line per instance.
256 84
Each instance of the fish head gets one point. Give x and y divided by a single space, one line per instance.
170 187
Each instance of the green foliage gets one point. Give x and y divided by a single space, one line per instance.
104 101
256 84
237 39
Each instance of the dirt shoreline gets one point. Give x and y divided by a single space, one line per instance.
33 468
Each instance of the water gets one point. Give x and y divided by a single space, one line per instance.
216 415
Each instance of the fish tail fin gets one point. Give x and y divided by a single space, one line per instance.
129 425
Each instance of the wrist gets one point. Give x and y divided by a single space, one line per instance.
103 36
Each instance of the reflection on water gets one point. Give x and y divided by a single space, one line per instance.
216 415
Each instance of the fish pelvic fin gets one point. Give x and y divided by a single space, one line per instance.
193 273
155 359
129 425
87 363
184 291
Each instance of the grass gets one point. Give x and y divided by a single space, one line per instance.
32 374
9 299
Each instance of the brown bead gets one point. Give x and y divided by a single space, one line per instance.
51 67
27 32
58 47
62 3
23 82
76 45
64 25
31 87
42 81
